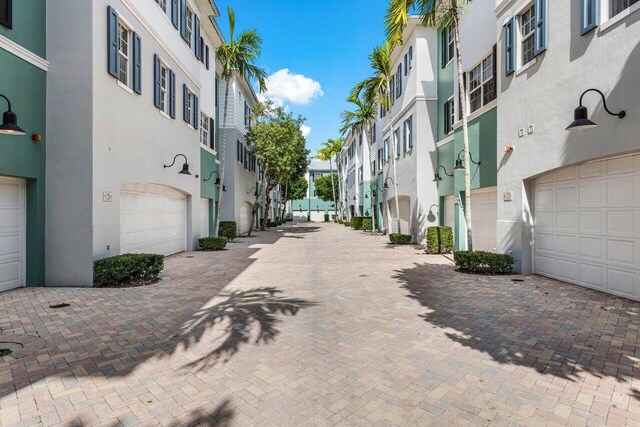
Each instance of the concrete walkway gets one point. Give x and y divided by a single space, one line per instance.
321 325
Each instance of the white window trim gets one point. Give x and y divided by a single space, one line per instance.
482 81
189 28
520 39
124 87
165 115
166 6
453 110
454 54
490 106
609 21
123 23
202 127
164 65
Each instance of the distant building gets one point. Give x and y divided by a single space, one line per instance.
311 208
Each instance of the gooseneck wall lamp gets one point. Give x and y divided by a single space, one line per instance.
255 191
217 182
460 164
438 178
386 186
185 166
581 114
9 124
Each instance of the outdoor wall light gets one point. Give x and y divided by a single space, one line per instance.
438 178
317 208
386 186
374 194
581 114
460 164
9 124
255 193
217 182
185 166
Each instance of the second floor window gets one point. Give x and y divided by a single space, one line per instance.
387 154
482 84
5 13
527 30
164 78
449 116
124 38
380 159
162 4
618 6
205 131
189 28
448 45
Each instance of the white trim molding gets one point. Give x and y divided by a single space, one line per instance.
22 53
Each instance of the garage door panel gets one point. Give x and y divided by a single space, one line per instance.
567 220
620 251
591 170
567 174
545 196
545 242
567 196
622 281
591 275
591 221
566 244
591 194
621 222
620 191
621 165
592 247
567 269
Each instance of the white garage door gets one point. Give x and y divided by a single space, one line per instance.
204 217
12 233
317 216
405 214
587 225
152 219
484 214
245 217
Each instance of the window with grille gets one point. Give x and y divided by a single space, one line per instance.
618 6
124 41
527 31
482 84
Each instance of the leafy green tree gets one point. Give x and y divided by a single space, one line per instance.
298 188
277 141
440 14
324 187
237 57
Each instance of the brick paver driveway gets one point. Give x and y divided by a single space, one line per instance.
321 325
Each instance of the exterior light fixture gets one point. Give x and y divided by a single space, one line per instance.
217 182
317 208
255 193
9 124
374 194
185 166
438 178
460 164
581 114
386 186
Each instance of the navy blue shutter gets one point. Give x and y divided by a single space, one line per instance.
197 47
172 95
590 14
410 131
112 36
183 20
137 63
404 136
541 27
175 13
212 134
207 56
399 81
157 81
509 47
185 105
196 111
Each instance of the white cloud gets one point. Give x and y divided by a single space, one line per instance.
306 130
283 86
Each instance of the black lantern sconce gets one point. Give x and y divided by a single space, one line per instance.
460 164
438 178
386 186
217 182
9 124
185 166
581 114
255 193
317 208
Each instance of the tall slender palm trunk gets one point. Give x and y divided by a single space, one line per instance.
333 189
223 152
465 137
371 205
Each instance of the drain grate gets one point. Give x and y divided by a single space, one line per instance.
63 305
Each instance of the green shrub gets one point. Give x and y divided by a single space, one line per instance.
439 240
347 223
483 262
400 239
367 224
326 217
273 224
228 229
356 222
127 269
212 243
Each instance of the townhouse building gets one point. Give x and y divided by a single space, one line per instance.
132 118
23 138
312 208
569 200
479 53
241 168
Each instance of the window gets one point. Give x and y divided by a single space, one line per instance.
239 151
410 58
164 79
408 133
247 114
527 31
360 174
482 87
387 154
6 15
162 4
393 87
373 134
396 137
205 130
399 81
124 36
373 167
448 45
380 159
618 6
189 27
189 101
449 116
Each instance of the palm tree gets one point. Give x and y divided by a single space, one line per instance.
360 119
377 90
325 153
335 148
237 57
440 14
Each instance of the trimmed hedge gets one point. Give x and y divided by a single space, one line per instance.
127 269
347 223
212 243
400 239
482 262
367 224
439 240
326 217
228 229
356 222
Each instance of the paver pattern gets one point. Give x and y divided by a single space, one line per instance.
317 324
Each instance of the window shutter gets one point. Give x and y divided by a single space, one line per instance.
172 94
404 136
175 13
212 134
590 14
196 112
509 47
112 35
185 104
541 27
183 20
444 46
406 63
495 72
207 56
197 47
157 83
410 55
410 131
399 81
137 63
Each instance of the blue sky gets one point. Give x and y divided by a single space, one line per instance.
327 41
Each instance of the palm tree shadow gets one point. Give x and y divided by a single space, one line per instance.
241 318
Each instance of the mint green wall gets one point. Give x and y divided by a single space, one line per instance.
445 87
314 203
207 189
446 159
25 86
483 144
29 26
